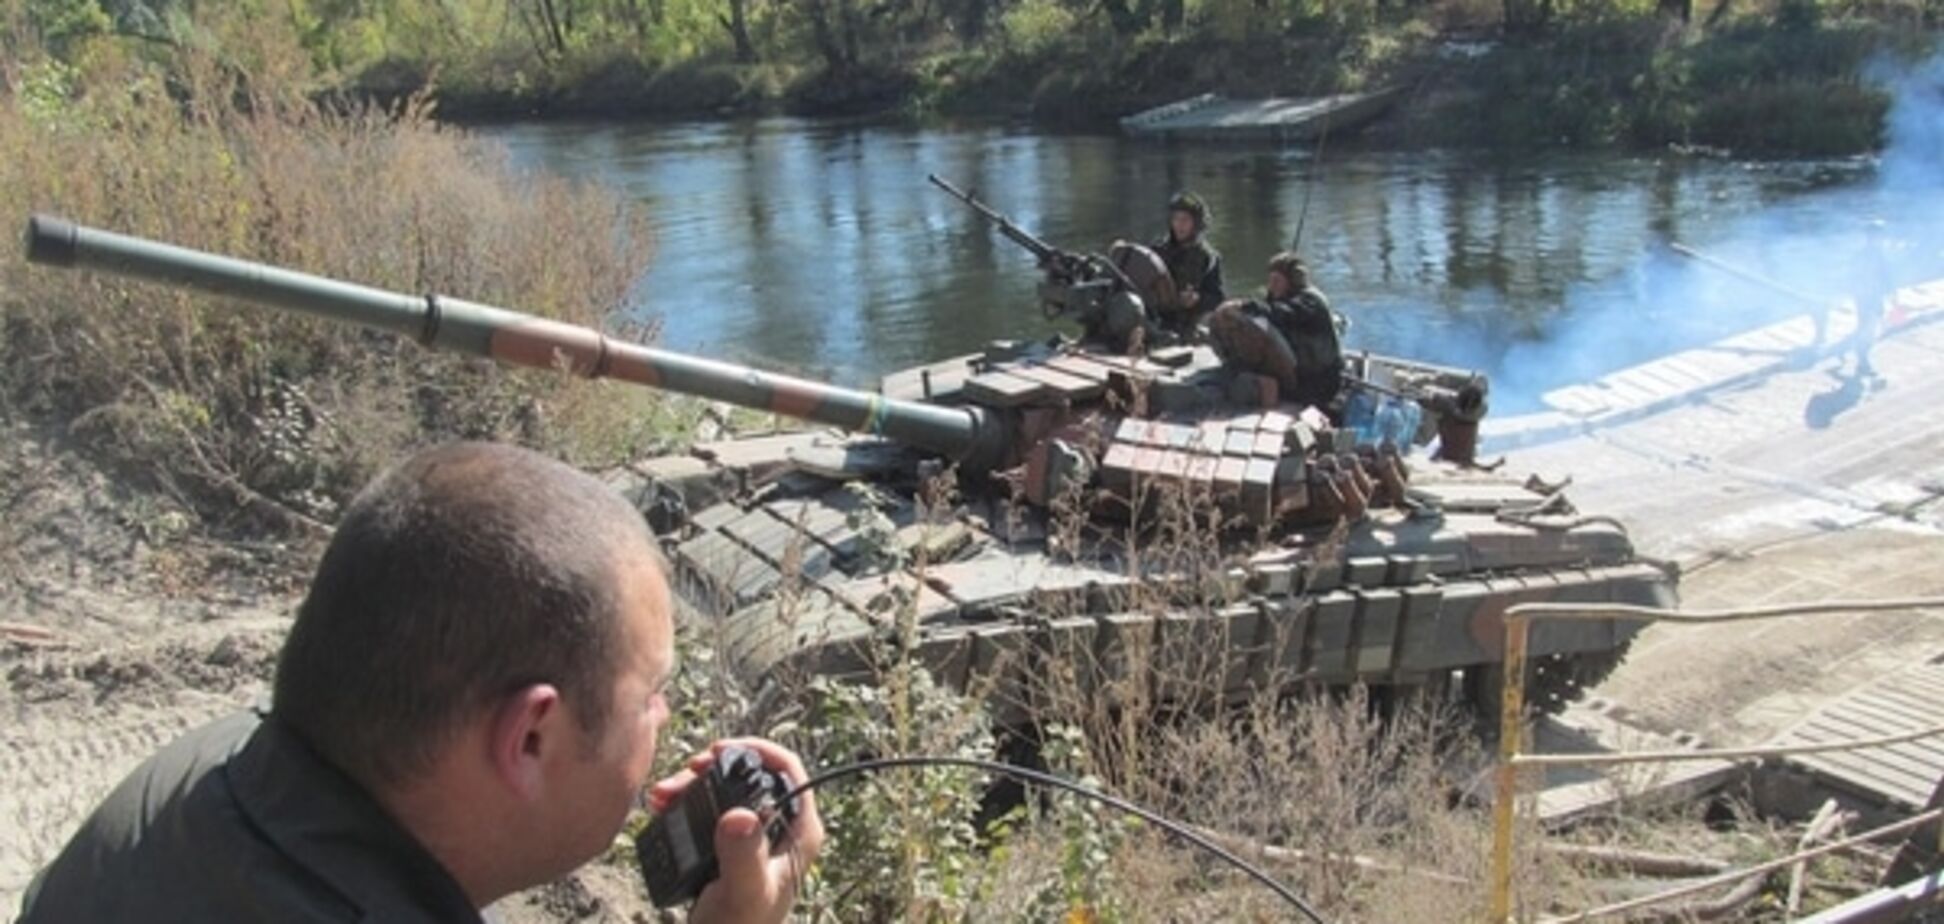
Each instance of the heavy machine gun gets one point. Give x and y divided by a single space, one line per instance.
1090 288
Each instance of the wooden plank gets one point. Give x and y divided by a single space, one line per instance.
1785 337
1108 367
1079 367
1001 389
1894 714
1919 700
1932 678
1723 365
947 377
1109 360
1578 400
1672 383
1678 377
1867 721
1679 364
1824 728
1885 782
1869 777
1657 389
1622 396
1072 386
1888 762
1932 686
758 451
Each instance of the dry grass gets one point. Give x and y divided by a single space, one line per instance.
1355 797
1171 723
256 416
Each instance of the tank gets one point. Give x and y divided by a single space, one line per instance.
1066 507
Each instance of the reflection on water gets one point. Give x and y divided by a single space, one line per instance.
819 247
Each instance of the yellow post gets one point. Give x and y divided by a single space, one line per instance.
1511 719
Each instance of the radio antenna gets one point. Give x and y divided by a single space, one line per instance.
1309 188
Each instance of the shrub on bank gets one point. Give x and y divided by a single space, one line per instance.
1758 88
257 414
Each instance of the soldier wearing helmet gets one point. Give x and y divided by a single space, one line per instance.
1195 266
1289 335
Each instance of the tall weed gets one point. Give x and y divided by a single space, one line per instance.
256 415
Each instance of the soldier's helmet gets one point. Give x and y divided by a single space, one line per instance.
1194 206
1292 267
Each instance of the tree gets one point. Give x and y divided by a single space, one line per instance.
547 22
825 36
61 23
1527 15
737 22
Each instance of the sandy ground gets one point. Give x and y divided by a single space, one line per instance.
121 632
123 627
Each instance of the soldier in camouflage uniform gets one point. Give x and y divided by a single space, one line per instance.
1289 335
1195 266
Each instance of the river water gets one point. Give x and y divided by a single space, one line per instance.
818 247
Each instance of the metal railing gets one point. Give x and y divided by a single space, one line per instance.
1518 624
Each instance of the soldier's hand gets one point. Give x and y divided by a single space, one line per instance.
757 883
1190 298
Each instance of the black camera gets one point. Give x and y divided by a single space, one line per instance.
677 850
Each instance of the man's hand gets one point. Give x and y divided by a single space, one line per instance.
755 885
1190 298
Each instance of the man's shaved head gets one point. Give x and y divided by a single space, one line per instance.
462 575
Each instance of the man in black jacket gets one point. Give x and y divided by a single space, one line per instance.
467 706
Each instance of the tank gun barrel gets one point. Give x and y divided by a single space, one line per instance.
965 434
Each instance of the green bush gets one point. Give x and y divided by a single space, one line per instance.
1753 87
1035 26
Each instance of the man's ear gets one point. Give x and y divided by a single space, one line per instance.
525 727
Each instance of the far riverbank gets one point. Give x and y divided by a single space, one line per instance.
1757 89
